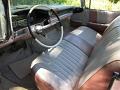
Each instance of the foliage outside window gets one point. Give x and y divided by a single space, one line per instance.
112 5
33 2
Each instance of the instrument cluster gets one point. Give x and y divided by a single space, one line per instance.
19 22
19 19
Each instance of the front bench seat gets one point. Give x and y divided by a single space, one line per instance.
61 67
57 73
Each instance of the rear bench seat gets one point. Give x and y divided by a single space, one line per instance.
61 67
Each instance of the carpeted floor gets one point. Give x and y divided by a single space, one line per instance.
13 64
5 84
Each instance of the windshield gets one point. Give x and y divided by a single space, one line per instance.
33 2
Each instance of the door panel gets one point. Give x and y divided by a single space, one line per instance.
98 20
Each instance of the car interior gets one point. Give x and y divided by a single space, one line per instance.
59 47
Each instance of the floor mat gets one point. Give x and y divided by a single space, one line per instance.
8 85
22 68
26 82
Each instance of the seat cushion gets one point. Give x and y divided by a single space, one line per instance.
84 38
59 68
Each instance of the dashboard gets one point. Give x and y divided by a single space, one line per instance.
39 16
19 15
19 19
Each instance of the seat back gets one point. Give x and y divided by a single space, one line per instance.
107 51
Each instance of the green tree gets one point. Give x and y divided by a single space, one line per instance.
114 1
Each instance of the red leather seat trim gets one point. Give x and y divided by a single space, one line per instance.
101 80
41 84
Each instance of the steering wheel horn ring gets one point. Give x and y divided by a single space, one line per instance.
31 32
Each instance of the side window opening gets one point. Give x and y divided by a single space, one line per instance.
103 5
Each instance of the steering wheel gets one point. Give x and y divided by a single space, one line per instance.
34 33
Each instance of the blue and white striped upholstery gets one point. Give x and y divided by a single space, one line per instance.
66 62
